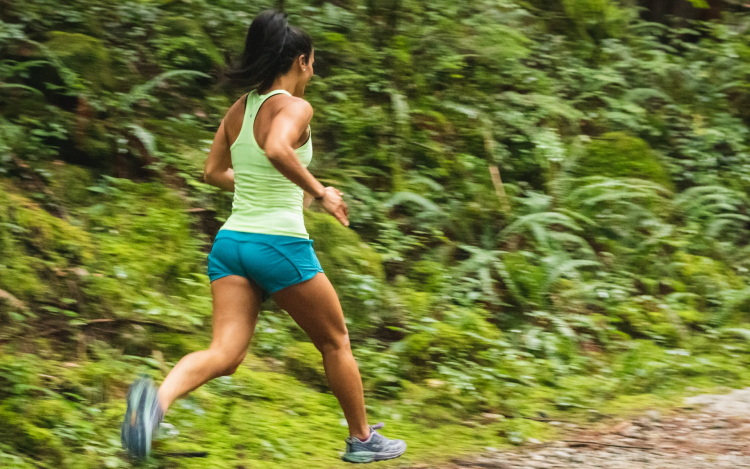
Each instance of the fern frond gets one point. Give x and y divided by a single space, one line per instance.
142 91
406 197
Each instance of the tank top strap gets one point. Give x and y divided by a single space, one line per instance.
261 98
253 103
273 92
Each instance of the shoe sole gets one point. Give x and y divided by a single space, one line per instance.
364 457
136 435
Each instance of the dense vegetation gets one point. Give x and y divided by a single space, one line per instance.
549 203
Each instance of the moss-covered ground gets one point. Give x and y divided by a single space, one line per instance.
262 417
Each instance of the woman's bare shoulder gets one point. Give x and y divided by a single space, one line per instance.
295 105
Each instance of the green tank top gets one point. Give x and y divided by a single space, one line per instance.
265 201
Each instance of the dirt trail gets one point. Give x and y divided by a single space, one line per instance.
715 436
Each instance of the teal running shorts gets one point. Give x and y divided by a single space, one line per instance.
273 262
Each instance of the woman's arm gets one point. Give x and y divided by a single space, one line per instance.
287 127
218 169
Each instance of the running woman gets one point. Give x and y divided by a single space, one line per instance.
261 152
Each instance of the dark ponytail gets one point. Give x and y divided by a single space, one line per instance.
271 48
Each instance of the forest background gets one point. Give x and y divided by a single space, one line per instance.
549 218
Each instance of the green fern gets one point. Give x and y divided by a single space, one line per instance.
143 91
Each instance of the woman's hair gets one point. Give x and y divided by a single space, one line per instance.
271 47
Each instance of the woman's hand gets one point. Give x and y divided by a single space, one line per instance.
335 205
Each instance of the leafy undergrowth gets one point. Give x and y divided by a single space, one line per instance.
289 423
67 413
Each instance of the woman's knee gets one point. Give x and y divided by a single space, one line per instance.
228 360
334 343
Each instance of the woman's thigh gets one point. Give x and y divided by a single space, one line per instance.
313 305
236 304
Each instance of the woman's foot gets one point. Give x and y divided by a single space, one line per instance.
375 448
142 418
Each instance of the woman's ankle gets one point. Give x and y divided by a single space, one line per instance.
164 400
362 435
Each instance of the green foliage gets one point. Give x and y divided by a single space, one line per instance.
70 184
617 154
182 44
700 3
147 253
33 241
353 267
86 56
450 340
597 19
304 362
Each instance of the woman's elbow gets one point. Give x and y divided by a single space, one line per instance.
275 153
208 177
273 157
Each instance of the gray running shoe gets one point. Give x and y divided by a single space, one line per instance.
375 448
142 418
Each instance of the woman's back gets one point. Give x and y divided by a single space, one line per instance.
265 201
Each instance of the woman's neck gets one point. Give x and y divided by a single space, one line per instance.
287 83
